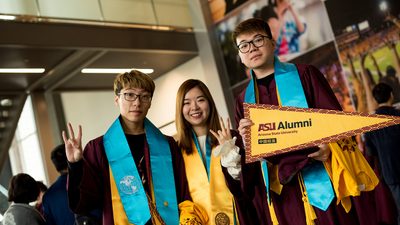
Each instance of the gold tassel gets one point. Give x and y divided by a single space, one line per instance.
274 184
346 203
155 216
308 209
270 205
272 213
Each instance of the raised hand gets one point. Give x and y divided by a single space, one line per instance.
322 154
73 146
224 134
229 152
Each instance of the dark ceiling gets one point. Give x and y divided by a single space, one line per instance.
63 49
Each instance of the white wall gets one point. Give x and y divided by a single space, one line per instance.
95 111
162 110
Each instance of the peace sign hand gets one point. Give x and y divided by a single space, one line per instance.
229 152
73 146
224 134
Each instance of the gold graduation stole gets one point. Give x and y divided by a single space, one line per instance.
214 196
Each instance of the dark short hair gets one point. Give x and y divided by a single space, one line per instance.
382 92
390 71
22 189
42 186
59 158
249 26
268 12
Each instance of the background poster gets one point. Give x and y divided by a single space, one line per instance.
354 43
326 59
221 8
368 44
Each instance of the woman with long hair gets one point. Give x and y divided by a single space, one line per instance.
203 137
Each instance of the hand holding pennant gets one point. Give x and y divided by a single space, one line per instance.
278 129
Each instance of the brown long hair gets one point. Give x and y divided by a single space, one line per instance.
183 127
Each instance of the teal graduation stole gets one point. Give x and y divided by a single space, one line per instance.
316 180
128 181
207 162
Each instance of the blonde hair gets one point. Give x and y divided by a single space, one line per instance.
133 79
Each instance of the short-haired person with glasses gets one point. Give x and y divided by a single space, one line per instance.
272 82
134 173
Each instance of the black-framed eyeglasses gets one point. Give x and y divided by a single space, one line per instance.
258 41
129 96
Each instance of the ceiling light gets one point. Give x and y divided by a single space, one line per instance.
6 102
2 124
7 17
115 71
383 6
22 70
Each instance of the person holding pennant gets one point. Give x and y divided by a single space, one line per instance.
295 187
206 141
133 172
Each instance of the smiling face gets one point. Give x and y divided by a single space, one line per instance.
257 58
196 110
133 111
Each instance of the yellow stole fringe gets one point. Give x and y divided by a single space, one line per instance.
213 196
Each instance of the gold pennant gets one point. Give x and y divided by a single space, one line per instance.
278 129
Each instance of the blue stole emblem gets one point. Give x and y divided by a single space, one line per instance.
127 179
316 180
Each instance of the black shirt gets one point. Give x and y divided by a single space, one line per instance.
136 144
